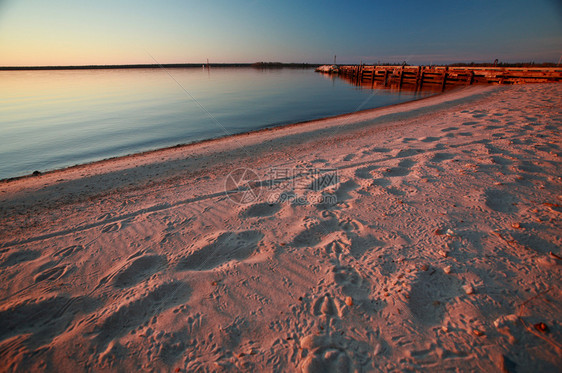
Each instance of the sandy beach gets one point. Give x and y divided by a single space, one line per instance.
420 236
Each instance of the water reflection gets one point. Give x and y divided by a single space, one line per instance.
52 119
391 86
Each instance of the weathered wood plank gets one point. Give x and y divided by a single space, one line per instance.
443 76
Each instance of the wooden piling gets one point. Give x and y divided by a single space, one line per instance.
470 79
441 78
386 77
444 83
418 78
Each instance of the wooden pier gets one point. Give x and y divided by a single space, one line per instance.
443 77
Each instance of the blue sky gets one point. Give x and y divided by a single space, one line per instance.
65 32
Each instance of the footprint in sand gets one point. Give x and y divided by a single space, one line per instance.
430 293
440 157
325 357
449 129
380 150
409 153
534 242
51 274
349 225
172 346
502 161
527 166
365 172
45 318
396 192
261 210
342 193
336 247
225 247
332 199
143 308
113 227
501 201
314 234
104 217
138 269
407 163
348 279
329 214
381 182
317 232
20 257
431 139
69 251
328 354
325 306
403 168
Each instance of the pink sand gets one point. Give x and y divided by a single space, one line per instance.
436 247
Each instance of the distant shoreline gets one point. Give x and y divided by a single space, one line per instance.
259 65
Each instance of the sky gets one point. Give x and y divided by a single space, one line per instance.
102 32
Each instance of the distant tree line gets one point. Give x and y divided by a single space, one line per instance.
280 65
473 64
505 64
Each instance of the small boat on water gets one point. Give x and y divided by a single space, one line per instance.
329 69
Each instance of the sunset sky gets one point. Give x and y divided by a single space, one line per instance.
77 32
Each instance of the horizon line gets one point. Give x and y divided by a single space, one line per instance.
243 64
154 65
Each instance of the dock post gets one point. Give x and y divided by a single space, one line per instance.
444 83
361 73
401 77
385 77
470 79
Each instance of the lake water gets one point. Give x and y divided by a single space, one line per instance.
54 119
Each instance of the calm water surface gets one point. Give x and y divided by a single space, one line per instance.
54 119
